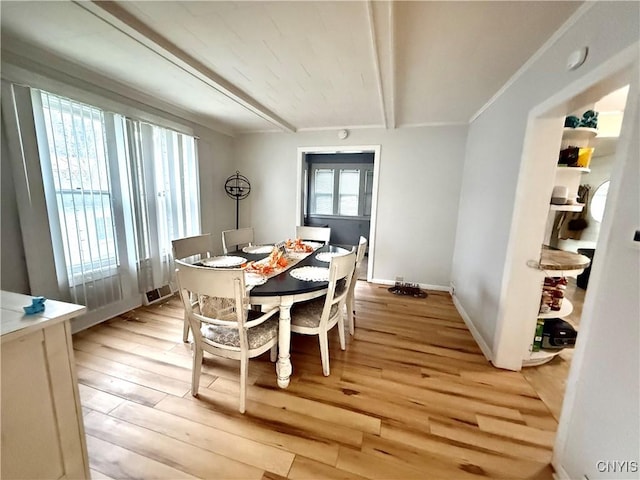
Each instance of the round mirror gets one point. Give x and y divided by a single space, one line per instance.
598 201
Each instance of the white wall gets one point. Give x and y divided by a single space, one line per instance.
494 152
215 164
419 187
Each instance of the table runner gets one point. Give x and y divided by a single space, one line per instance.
292 258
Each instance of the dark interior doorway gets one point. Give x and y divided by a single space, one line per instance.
338 191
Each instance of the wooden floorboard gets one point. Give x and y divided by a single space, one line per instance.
411 397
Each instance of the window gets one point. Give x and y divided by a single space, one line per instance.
340 190
323 191
117 191
349 192
78 166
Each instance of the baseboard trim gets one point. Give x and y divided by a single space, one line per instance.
95 317
560 473
486 351
425 286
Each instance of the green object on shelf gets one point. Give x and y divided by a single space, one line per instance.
537 339
571 121
589 119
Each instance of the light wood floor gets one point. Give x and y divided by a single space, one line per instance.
411 397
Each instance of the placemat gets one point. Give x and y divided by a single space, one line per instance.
311 274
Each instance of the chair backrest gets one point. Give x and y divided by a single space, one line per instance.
321 234
213 295
362 248
236 238
189 246
340 268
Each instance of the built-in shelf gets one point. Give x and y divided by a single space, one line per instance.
566 168
567 208
554 259
565 309
579 133
539 358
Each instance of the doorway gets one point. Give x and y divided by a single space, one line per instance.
608 336
350 212
578 231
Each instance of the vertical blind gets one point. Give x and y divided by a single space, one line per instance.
323 198
79 172
117 191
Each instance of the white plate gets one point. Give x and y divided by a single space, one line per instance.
255 249
254 279
311 274
224 261
326 256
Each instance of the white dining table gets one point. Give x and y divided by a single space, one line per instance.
284 291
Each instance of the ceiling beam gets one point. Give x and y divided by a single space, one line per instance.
376 61
113 14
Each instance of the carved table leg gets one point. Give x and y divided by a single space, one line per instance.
283 366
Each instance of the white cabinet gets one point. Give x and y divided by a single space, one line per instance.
42 429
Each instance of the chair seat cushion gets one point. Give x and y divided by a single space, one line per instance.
307 314
229 337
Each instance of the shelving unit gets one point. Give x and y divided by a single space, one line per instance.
569 177
539 358
552 260
574 137
567 208
566 309
560 260
543 356
564 168
566 264
579 133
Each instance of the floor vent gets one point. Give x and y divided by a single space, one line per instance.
157 294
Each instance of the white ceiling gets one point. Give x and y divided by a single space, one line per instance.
257 66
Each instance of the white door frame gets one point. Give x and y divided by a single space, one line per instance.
375 149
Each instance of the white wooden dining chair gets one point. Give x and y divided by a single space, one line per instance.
216 304
320 234
318 316
351 302
197 246
236 239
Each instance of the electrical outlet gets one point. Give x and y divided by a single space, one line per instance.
452 288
